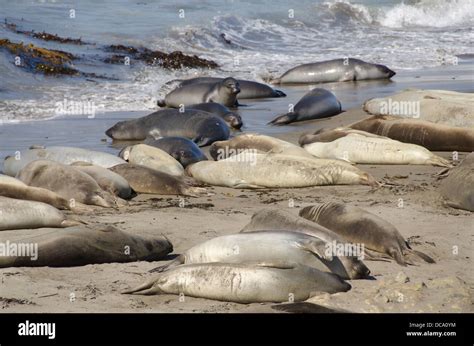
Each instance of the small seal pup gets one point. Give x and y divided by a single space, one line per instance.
182 149
67 181
458 187
435 137
363 147
337 70
232 119
224 92
20 214
316 104
244 283
146 180
152 157
201 127
87 244
65 155
361 227
254 170
349 266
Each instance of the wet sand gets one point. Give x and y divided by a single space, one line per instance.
432 227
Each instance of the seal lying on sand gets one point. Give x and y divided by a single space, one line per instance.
182 149
19 214
248 89
337 70
458 187
82 245
232 119
146 180
224 91
438 106
260 143
67 181
244 283
316 104
435 137
201 127
347 267
361 227
254 170
363 147
152 157
65 155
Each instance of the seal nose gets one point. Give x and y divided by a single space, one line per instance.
391 73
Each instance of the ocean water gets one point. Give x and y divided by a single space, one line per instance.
267 38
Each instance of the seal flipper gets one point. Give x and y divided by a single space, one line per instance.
176 262
315 248
284 119
419 254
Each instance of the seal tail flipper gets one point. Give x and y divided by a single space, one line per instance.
315 247
283 119
71 223
145 289
172 264
398 257
193 191
418 254
436 160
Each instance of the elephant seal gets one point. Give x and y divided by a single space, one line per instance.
258 246
152 157
437 106
316 104
107 180
248 89
361 227
244 283
82 245
363 147
458 187
20 214
254 170
65 155
232 119
265 144
224 91
337 70
67 181
347 266
182 149
146 180
435 137
201 127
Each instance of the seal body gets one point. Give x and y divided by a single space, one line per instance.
363 147
435 137
201 127
337 70
82 245
244 283
458 187
232 119
316 104
182 149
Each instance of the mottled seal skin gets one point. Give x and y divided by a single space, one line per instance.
65 155
347 267
248 89
435 137
244 283
95 244
224 91
265 144
361 227
67 181
316 104
146 180
337 70
201 127
458 187
182 149
357 146
232 119
20 214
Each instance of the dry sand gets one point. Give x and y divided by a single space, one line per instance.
444 233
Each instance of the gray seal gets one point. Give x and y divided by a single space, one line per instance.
224 91
201 127
316 104
337 70
232 119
